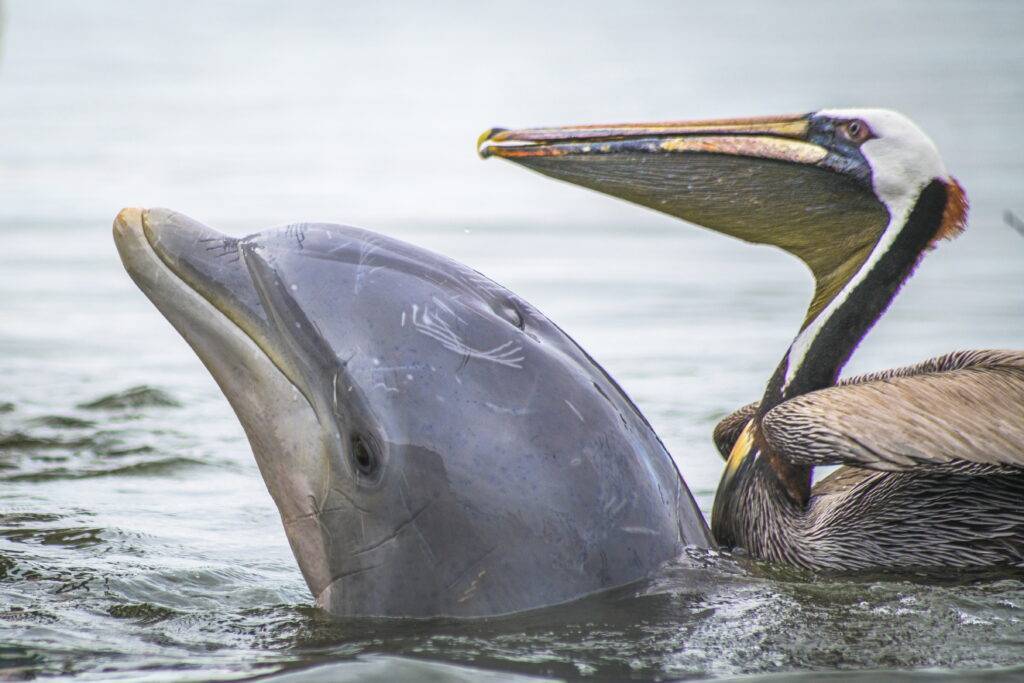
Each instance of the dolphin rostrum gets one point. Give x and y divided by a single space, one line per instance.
434 444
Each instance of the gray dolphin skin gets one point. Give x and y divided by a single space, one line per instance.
435 445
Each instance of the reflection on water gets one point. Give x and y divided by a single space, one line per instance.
136 538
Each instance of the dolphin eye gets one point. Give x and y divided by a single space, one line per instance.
855 130
364 456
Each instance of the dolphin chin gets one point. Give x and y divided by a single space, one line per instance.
435 446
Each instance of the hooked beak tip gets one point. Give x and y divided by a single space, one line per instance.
484 143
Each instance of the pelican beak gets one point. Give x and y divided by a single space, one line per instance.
780 138
771 180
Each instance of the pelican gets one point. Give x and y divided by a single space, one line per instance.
932 455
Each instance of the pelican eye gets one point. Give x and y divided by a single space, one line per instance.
364 457
855 130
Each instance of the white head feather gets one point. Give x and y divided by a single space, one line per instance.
903 159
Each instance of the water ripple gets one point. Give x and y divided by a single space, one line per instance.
134 397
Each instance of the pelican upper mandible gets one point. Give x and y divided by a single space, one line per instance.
933 454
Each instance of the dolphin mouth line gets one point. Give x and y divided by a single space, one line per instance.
169 265
141 258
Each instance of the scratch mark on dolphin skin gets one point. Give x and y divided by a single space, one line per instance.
297 232
403 318
315 513
369 247
389 377
435 326
447 309
614 506
472 587
332 254
345 575
473 278
573 409
351 500
394 534
470 567
222 246
423 539
507 411
639 530
414 515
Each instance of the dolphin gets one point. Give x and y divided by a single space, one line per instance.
435 445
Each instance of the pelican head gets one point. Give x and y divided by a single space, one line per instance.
831 187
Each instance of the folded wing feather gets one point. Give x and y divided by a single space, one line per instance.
956 411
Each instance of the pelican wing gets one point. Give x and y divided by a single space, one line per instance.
964 411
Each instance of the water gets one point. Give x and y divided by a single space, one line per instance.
136 537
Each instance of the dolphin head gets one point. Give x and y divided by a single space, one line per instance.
434 444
